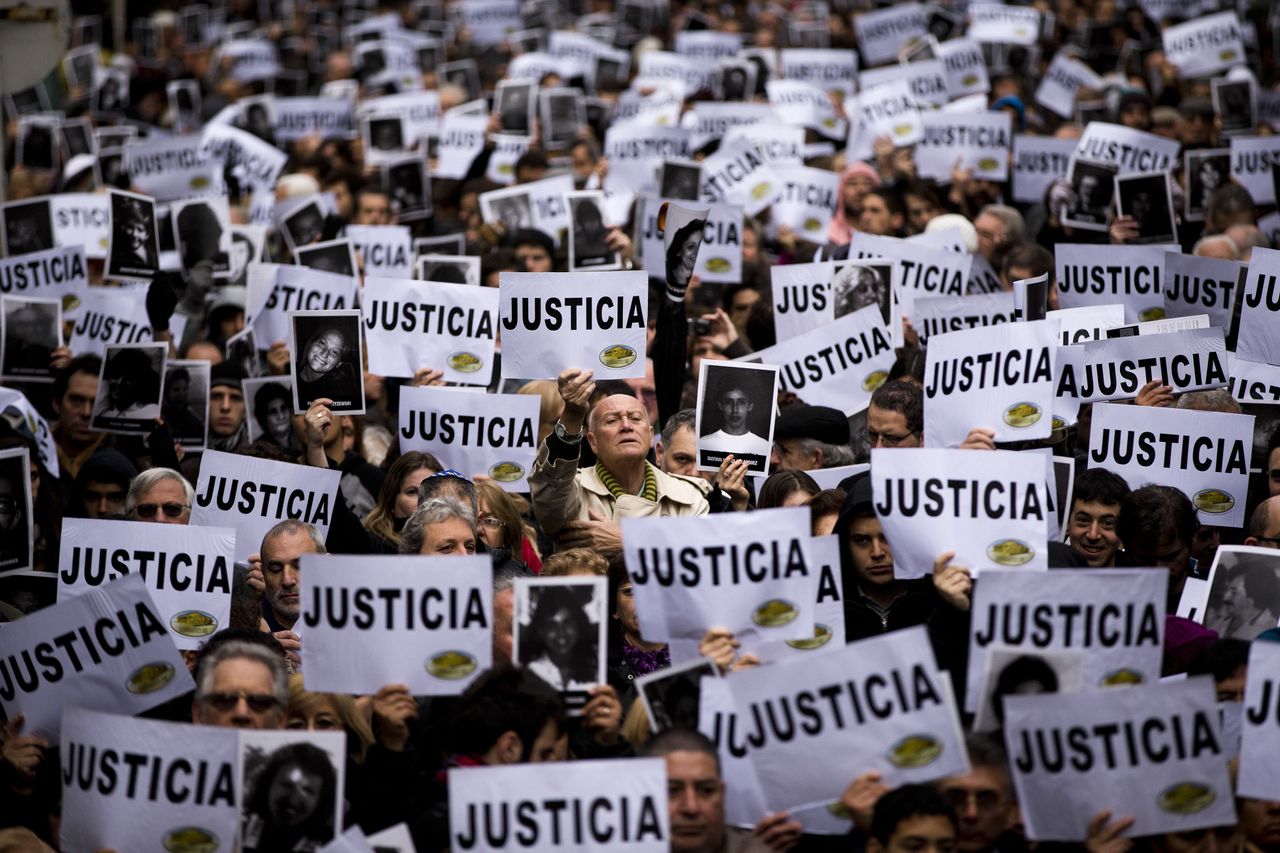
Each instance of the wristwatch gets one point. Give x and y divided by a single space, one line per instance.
563 434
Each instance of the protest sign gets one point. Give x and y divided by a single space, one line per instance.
736 406
879 704
1061 83
889 109
386 250
1204 45
1259 323
618 804
829 70
780 145
1259 774
1152 751
1086 323
171 169
805 105
1197 285
1117 368
752 574
1127 149
738 175
1091 274
258 163
801 297
15 406
883 32
490 22
538 204
707 45
1000 378
326 118
294 288
462 139
964 67
927 79
808 201
31 331
990 510
1038 161
839 364
637 149
420 111
979 141
720 253
1252 160
925 270
1251 382
996 22
131 784
940 314
188 569
253 495
1114 616
106 650
493 434
1205 455
553 321
1241 598
422 621
507 151
108 316
60 272
80 219
411 324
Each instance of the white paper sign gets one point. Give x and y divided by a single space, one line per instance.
426 622
1195 285
171 168
411 324
1087 323
1255 383
737 174
1037 162
298 289
107 650
420 112
1117 368
940 314
259 163
1205 45
752 574
1205 455
253 495
801 297
829 70
889 109
996 22
1104 274
980 141
1259 774
61 272
964 66
883 32
808 201
461 141
383 249
188 569
806 105
1259 323
1252 159
618 804
491 434
109 316
720 256
1130 150
553 321
636 150
327 118
82 219
839 364
1152 751
1066 77
926 271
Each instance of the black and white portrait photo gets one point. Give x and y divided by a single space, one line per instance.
110 91
672 696
737 403
77 138
15 509
303 226
86 30
589 236
184 105
560 630
1206 170
134 248
26 102
25 592
1147 199
335 256
1236 104
202 234
111 168
1244 593
410 188
1093 185
242 351
186 401
1014 672
683 230
292 790
513 208
193 25
326 363
563 115
245 247
514 102
449 269
384 138
462 74
79 64
735 80
856 285
270 402
32 330
610 74
680 179
28 226
38 143
129 388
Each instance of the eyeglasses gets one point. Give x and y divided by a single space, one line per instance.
259 703
1272 539
172 510
874 438
490 521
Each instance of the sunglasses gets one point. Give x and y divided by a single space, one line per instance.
259 703
172 510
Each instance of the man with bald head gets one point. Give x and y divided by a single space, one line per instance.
1264 524
580 507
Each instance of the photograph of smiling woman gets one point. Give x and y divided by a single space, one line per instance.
326 363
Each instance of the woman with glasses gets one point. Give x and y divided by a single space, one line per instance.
502 529
398 499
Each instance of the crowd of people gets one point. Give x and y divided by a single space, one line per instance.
608 450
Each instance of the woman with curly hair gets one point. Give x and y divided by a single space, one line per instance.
291 801
560 645
398 498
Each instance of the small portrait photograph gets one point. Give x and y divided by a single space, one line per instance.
464 74
1236 103
1147 199
336 256
528 41
23 592
610 74
77 138
247 242
270 401
291 791
737 404
430 55
588 234
16 538
29 101
256 118
682 234
1205 171
920 50
129 388
680 180
673 696
371 59
111 138
450 269
32 330
513 208
134 248
326 363
37 143
28 226
289 84
410 188
1016 672
86 30
1244 593
636 16
514 101
808 34
564 114
1093 186
441 244
384 138
184 105
193 25
110 91
856 285
79 64
145 39
186 401
560 634
111 168
242 351
202 234
734 80
303 226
